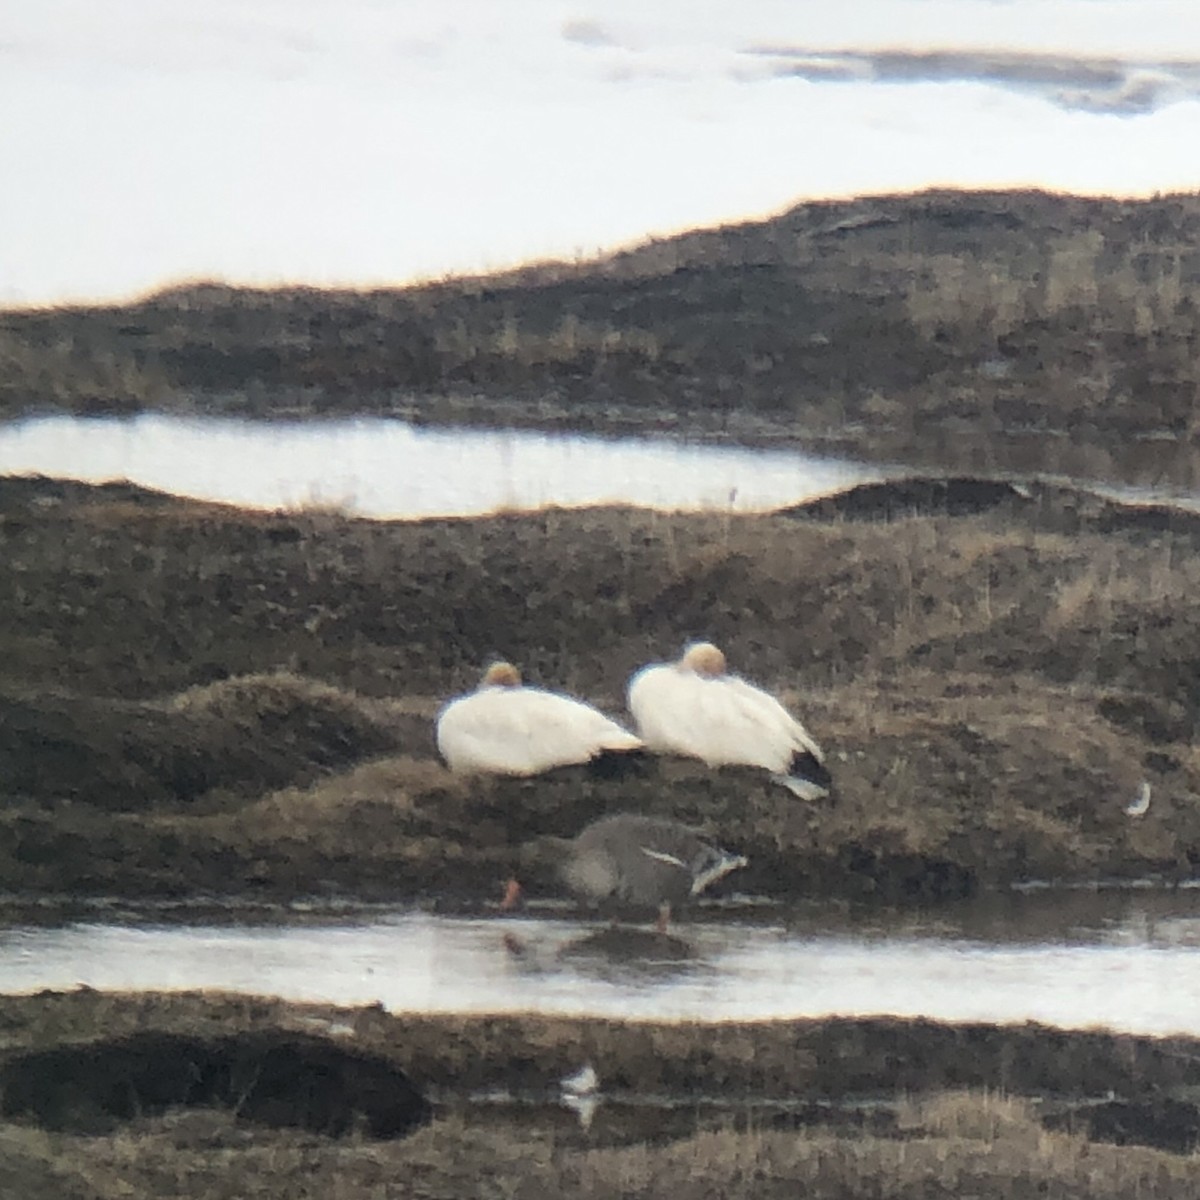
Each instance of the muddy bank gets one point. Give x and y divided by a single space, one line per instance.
1034 503
265 1077
965 330
198 699
920 815
454 1057
117 591
834 1107
236 737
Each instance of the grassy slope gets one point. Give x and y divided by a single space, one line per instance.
898 324
992 690
967 1111
956 1145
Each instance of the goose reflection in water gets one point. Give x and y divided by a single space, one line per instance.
580 1092
615 954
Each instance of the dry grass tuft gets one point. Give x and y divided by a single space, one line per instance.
970 1116
729 1164
253 699
389 781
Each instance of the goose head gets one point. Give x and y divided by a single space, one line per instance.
501 674
703 658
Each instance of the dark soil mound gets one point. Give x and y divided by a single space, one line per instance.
1157 1121
245 735
918 496
1050 508
268 1077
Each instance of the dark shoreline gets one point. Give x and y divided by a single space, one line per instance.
837 1106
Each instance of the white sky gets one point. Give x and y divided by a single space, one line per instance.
374 141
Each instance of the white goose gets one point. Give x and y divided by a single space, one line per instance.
692 707
504 728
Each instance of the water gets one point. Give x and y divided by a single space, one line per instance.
362 142
387 468
1124 960
383 468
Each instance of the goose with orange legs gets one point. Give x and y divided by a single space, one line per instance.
634 865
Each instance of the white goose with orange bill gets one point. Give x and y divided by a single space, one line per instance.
693 707
505 728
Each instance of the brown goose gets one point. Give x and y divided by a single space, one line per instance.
631 863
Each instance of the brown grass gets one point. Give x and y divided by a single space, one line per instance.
923 327
992 689
966 1105
734 1164
983 1116
450 1159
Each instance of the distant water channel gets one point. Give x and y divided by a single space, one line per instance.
388 468
1127 960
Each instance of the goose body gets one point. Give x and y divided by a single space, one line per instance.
694 708
630 861
504 728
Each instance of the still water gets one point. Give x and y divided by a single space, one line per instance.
387 468
1126 960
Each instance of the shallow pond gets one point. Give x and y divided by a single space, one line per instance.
1123 959
387 468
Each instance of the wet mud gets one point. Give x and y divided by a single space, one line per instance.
267 1077
92 1068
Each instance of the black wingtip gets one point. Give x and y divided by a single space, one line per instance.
806 765
619 764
